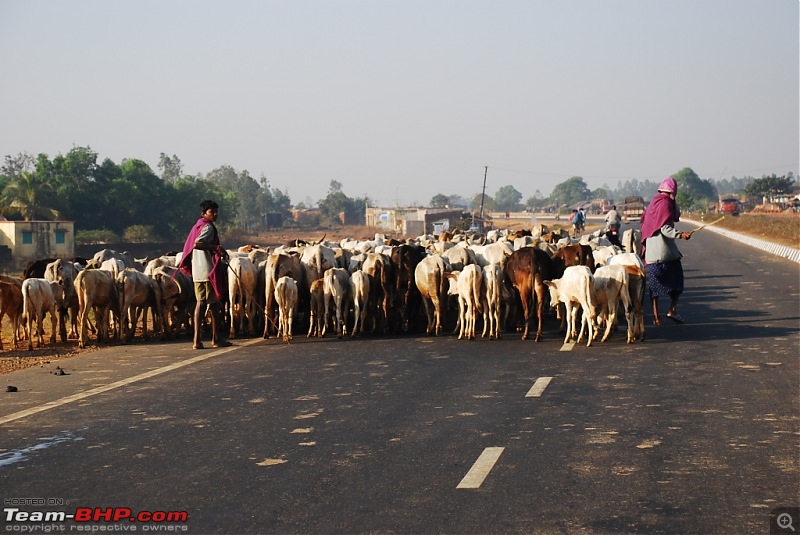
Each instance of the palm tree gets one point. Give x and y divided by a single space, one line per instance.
25 195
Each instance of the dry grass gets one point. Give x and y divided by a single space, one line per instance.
778 228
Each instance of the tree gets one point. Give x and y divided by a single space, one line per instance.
570 192
171 168
439 201
26 194
507 199
768 186
696 192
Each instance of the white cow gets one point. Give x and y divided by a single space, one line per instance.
242 281
286 297
637 282
138 294
494 281
430 277
40 297
576 290
470 289
611 288
360 290
337 292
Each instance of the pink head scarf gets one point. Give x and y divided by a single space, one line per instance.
663 210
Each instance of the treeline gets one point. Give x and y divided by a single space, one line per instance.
694 193
129 201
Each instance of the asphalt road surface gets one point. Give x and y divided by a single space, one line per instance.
694 430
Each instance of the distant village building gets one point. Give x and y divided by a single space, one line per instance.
413 221
28 240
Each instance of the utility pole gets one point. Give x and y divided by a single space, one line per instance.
483 192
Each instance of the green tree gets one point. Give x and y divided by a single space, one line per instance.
570 192
26 195
507 199
697 193
439 200
767 186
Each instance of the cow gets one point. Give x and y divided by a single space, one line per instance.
632 241
382 288
286 297
64 272
316 309
611 288
636 288
526 270
177 299
138 292
360 290
40 297
11 305
241 293
338 293
97 292
124 257
493 282
277 265
573 255
430 277
405 259
576 289
35 269
470 290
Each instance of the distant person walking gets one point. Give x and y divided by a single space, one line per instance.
206 261
661 254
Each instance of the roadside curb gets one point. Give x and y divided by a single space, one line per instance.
783 251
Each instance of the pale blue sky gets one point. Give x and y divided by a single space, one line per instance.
401 100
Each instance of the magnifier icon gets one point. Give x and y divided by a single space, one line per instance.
785 521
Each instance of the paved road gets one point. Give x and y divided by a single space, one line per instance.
693 431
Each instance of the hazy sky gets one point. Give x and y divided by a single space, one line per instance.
403 99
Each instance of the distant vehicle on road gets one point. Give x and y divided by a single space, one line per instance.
729 205
633 208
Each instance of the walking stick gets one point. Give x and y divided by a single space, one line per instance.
701 227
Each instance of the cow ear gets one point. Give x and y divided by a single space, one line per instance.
549 283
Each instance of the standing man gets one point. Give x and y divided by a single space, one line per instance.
206 261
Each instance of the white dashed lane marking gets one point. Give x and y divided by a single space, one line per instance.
538 387
481 468
568 346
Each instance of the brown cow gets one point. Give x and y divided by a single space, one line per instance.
407 297
11 304
526 270
573 255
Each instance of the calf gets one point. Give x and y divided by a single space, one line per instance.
575 289
286 297
40 297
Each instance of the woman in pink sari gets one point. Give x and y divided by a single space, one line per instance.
661 254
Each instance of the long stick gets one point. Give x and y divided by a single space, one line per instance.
706 225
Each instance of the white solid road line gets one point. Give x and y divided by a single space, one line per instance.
538 387
105 388
480 469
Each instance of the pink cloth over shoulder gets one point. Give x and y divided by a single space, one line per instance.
217 275
663 210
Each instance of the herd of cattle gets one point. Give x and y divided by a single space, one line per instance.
352 287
